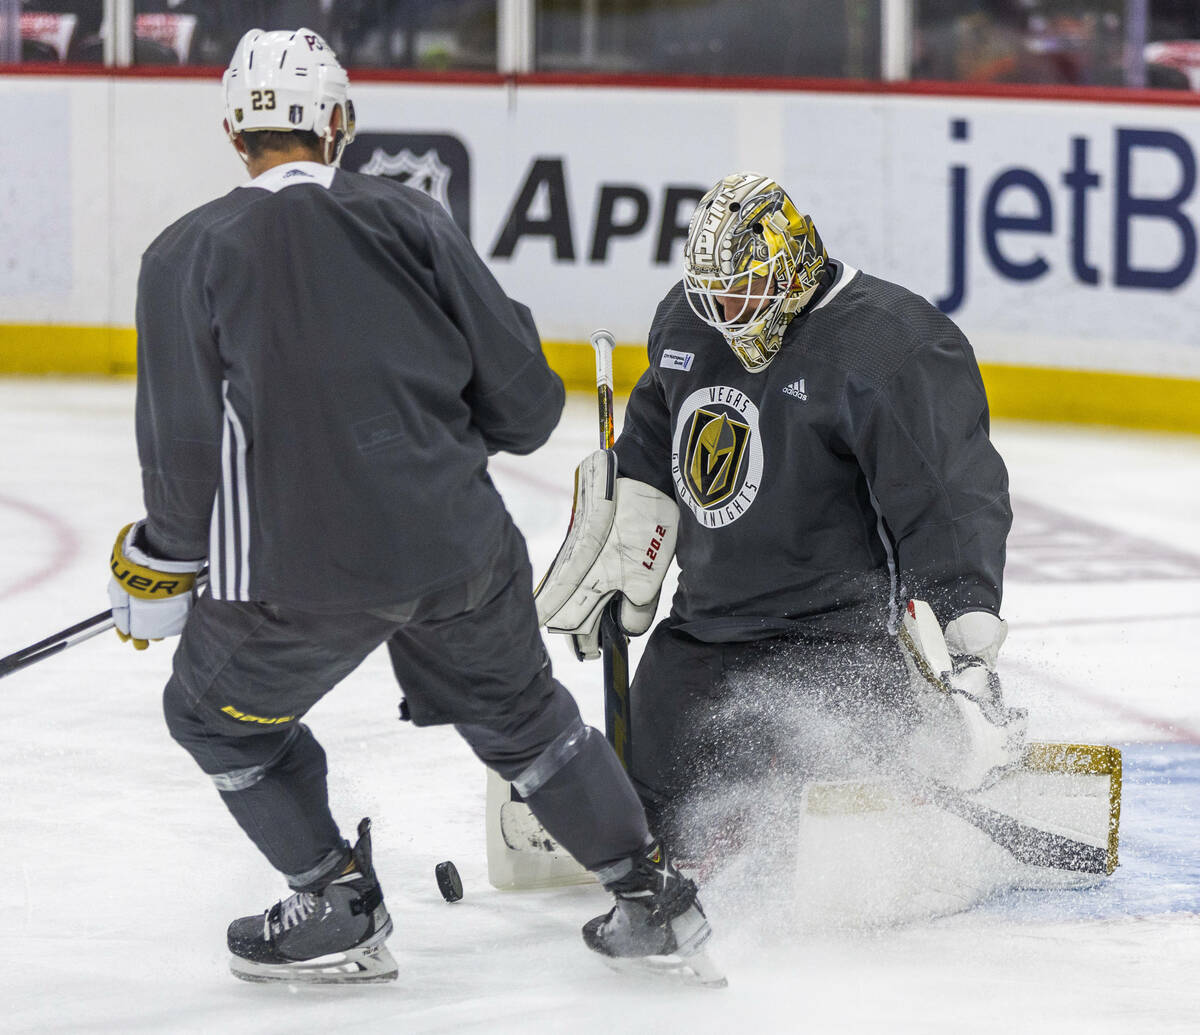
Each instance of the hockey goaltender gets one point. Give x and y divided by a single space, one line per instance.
813 443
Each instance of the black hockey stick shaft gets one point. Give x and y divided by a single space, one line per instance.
1030 845
614 644
55 643
68 637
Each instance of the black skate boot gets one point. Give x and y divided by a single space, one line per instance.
334 935
657 923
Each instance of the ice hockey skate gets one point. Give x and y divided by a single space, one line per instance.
657 924
332 936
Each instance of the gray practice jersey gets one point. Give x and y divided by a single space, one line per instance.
857 467
324 366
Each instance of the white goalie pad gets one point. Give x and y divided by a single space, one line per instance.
875 853
521 855
621 540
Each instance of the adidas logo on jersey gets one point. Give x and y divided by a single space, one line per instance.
797 390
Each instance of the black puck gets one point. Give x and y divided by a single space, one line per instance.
448 881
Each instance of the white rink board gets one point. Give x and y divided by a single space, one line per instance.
879 173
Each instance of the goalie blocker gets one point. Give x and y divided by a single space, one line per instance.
620 541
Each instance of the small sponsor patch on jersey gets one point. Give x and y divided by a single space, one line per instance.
296 172
797 390
677 360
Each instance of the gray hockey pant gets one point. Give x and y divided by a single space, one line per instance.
246 673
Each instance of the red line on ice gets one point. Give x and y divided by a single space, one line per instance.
1178 732
66 547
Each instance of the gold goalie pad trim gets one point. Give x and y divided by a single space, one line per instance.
1084 760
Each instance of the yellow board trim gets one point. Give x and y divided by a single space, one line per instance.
1020 392
1093 397
46 349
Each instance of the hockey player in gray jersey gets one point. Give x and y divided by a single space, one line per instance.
324 367
815 441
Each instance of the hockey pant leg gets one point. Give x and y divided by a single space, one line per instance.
274 785
474 656
245 674
571 779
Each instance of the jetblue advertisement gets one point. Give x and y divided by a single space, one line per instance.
1056 233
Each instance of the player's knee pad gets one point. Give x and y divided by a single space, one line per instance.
554 757
233 760
511 747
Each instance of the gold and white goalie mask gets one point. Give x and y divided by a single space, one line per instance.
751 263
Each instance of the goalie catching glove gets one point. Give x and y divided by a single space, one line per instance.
150 596
619 544
967 738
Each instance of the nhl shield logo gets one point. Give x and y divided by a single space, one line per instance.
434 163
427 172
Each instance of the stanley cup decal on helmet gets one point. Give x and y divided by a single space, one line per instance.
751 262
287 81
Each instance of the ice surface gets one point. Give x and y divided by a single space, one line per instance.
122 867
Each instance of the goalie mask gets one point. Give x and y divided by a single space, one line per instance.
751 263
287 81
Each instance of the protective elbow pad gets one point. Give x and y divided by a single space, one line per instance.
621 540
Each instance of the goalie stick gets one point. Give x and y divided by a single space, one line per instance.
1027 844
521 854
614 644
921 637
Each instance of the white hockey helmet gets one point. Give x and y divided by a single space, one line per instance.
286 81
751 250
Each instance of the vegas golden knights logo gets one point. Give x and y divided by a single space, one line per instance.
716 448
717 455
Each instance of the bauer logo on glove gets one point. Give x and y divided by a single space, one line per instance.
150 596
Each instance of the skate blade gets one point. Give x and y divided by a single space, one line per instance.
697 969
362 965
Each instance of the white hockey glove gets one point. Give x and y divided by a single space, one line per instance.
620 541
968 737
150 597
